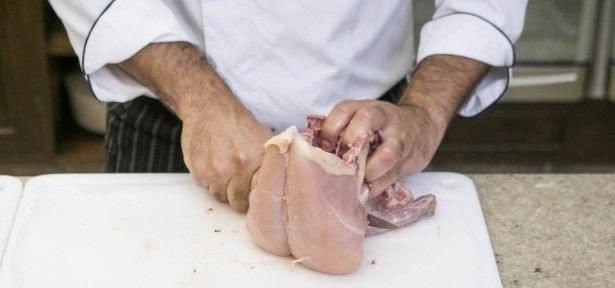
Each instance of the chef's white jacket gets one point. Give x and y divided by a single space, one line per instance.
287 59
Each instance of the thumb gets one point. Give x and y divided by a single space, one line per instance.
238 190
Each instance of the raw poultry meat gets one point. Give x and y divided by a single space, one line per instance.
313 204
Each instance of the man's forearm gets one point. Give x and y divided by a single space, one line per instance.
440 84
180 75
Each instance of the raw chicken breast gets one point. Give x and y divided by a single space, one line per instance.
313 204
267 204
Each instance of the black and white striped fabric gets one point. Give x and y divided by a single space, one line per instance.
144 136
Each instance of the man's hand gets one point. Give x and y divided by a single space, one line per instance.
409 136
223 147
222 142
412 130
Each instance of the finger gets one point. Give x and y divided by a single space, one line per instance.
386 156
364 120
218 171
219 191
198 174
238 190
378 186
335 123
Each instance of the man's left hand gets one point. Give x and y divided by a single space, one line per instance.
412 130
409 137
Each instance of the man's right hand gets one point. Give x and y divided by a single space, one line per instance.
222 142
223 147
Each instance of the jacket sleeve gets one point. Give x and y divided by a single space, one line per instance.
104 32
483 30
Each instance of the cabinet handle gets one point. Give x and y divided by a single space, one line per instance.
7 131
525 81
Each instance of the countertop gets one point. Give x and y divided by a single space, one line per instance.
550 230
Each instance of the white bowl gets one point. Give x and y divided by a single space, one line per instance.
88 112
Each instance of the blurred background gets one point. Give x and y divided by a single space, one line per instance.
558 114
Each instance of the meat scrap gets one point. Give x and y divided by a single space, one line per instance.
313 204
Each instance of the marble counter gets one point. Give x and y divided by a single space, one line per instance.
551 230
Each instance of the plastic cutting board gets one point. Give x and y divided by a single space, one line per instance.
10 191
155 230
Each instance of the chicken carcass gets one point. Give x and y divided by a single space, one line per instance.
313 204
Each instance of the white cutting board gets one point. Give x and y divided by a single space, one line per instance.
10 191
158 231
